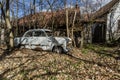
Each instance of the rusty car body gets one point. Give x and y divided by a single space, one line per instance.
42 38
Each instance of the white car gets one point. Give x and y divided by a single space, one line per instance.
43 39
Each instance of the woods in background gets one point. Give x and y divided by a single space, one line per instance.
17 16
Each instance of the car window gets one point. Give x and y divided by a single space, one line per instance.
49 33
38 34
43 34
28 34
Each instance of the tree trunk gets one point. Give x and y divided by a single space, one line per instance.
34 10
73 29
10 31
16 34
2 36
6 16
67 23
2 31
82 38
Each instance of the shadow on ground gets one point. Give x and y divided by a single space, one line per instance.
48 72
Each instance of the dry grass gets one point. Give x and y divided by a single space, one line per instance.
91 63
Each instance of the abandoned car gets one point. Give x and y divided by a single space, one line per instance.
42 39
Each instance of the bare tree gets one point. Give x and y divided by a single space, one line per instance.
66 12
6 16
51 5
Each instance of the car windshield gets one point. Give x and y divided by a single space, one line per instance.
49 33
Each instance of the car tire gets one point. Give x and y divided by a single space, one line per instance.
18 46
58 49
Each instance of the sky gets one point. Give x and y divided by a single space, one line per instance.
45 7
103 1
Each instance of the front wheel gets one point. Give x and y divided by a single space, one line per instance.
57 49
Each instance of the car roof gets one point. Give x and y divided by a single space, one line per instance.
39 30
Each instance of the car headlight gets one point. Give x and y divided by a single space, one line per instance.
69 40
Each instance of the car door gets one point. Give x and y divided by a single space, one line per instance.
26 39
43 41
39 40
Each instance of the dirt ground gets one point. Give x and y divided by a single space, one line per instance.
94 62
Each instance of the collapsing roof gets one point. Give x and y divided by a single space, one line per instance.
46 18
105 9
